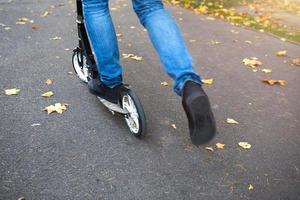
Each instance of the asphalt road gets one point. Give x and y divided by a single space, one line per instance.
87 153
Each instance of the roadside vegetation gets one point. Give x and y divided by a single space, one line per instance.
256 15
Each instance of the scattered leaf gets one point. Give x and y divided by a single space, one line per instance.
281 53
164 83
231 121
132 27
34 26
35 125
46 13
220 145
57 5
210 18
273 82
119 34
55 38
192 40
208 81
132 56
174 126
58 107
244 145
248 42
48 81
252 62
250 187
266 70
12 91
21 198
215 42
209 148
48 94
296 61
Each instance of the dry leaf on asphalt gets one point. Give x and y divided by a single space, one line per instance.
58 107
22 21
48 94
119 34
209 148
132 56
296 61
208 81
273 82
164 83
231 121
174 126
250 187
55 38
57 5
215 42
281 53
46 13
252 62
12 91
244 145
34 26
21 198
48 81
266 70
220 145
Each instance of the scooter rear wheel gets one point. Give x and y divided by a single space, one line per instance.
135 119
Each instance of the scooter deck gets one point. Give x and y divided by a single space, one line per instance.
113 107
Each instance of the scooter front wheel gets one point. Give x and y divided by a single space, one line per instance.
135 119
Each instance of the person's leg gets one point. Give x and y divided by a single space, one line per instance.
168 42
102 37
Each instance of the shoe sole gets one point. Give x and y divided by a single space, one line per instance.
202 123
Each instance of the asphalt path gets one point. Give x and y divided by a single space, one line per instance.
87 153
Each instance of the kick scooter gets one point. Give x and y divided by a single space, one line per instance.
84 65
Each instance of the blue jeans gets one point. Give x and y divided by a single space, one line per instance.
162 30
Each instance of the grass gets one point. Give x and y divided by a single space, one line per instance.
224 9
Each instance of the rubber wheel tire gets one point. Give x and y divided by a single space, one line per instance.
140 111
76 53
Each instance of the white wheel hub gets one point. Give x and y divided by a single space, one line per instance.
132 119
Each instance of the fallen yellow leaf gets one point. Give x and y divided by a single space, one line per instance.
208 81
273 82
174 126
250 187
58 107
12 91
45 14
231 121
34 26
132 56
164 83
215 42
296 61
209 148
48 81
55 38
281 53
220 145
266 70
244 145
48 94
252 62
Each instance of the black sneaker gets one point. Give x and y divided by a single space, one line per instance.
201 120
104 92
